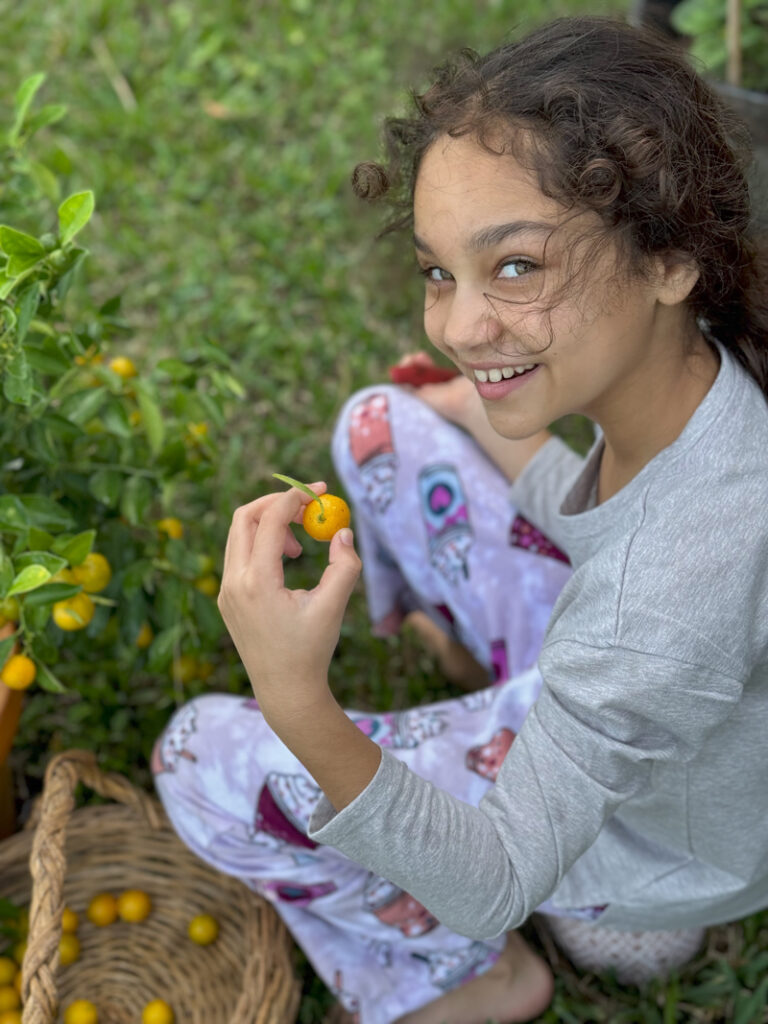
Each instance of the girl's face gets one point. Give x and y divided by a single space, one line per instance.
486 242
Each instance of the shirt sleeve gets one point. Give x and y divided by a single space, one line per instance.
542 484
604 716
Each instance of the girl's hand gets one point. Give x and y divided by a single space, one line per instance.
285 638
456 400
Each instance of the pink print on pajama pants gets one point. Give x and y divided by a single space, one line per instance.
436 531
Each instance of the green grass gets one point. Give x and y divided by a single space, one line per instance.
219 140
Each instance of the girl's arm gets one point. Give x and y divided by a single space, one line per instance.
285 639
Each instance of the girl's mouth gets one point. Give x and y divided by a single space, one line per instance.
491 390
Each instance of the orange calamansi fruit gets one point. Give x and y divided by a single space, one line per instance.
157 1012
144 637
69 921
203 929
18 672
74 612
69 949
9 998
171 527
123 367
8 970
323 521
10 1017
102 910
82 1011
93 573
134 905
17 983
208 585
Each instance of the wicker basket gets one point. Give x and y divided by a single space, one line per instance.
244 977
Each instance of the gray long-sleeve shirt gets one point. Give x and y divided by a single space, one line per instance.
640 776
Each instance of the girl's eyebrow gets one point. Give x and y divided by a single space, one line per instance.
487 237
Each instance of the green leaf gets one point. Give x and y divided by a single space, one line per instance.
83 406
48 560
151 417
176 369
40 540
74 214
137 495
18 384
45 179
46 513
75 549
26 307
30 578
18 243
24 96
13 514
49 114
6 573
162 647
106 486
49 593
6 646
115 419
49 681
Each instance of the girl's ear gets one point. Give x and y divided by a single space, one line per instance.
677 274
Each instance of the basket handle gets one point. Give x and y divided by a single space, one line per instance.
47 864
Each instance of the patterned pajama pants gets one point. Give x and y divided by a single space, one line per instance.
436 531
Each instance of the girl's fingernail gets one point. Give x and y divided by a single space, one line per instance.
345 536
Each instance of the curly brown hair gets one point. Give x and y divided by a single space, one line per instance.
622 125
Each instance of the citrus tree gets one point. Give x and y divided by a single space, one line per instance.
102 576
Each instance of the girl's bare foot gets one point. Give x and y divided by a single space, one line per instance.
517 988
455 661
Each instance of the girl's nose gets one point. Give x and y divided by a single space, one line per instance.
471 322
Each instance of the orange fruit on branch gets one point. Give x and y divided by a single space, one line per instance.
93 574
74 612
325 515
18 672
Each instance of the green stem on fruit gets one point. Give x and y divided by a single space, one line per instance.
302 487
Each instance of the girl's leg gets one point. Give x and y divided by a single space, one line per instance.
438 535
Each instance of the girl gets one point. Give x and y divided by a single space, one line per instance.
580 216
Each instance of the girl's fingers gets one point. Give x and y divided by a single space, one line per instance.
245 523
268 544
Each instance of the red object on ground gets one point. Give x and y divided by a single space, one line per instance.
417 374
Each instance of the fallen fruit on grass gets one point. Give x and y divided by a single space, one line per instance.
203 929
69 949
102 910
18 672
73 613
157 1012
325 515
134 905
81 1012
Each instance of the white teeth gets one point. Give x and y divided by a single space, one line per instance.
497 373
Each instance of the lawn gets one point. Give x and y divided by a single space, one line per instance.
219 140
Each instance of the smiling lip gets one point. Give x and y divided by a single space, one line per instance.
500 389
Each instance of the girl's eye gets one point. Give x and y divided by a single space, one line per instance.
516 268
435 274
